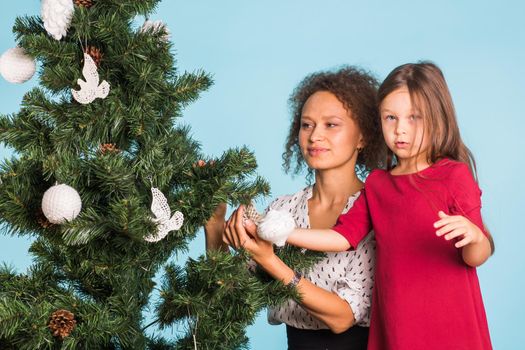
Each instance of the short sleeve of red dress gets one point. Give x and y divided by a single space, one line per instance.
465 195
356 223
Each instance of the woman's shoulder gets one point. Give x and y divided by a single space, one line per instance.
289 200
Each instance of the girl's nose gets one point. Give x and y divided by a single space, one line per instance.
400 128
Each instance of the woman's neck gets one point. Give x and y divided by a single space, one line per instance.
335 186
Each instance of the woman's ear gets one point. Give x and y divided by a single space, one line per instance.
361 144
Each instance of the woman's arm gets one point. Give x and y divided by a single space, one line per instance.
327 306
214 229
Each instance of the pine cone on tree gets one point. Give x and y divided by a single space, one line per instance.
95 54
84 3
62 323
108 148
42 220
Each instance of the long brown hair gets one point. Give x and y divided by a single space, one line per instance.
431 97
357 90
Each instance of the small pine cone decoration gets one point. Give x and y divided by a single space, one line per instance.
84 3
95 54
106 148
42 220
62 323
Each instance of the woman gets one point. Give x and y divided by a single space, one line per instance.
335 132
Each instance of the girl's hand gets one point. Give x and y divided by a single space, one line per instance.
240 233
457 226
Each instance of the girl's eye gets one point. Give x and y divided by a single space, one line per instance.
305 125
390 117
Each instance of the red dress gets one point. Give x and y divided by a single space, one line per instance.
425 296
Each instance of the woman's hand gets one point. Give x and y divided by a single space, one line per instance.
214 229
457 226
241 233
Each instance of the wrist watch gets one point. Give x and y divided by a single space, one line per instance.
295 280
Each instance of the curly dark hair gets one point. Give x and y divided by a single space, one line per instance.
357 90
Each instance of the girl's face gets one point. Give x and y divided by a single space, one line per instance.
329 136
404 129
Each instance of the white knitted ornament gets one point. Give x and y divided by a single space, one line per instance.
251 213
57 15
276 226
61 203
155 27
162 211
16 66
90 89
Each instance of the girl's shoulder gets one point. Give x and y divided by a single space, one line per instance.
375 175
451 168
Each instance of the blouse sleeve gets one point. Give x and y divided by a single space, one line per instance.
356 223
466 196
356 285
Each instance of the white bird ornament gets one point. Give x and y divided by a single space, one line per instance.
162 211
90 89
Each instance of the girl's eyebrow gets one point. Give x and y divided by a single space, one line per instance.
386 110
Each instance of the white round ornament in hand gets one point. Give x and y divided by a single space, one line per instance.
16 66
61 203
276 226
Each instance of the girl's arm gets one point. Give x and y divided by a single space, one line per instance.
327 306
466 224
323 240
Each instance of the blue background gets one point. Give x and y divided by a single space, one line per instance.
258 52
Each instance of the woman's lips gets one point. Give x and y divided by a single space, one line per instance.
315 151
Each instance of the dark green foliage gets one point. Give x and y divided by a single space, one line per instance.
99 266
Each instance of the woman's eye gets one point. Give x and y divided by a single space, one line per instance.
331 125
390 117
305 125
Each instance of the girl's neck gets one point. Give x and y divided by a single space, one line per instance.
410 166
335 186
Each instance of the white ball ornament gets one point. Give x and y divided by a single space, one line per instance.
16 66
61 203
57 15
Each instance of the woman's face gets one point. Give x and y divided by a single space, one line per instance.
329 136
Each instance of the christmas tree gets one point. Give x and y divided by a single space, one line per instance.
110 186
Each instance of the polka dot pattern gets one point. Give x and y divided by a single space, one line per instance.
348 274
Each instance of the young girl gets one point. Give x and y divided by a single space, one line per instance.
425 211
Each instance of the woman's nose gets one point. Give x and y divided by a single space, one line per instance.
316 134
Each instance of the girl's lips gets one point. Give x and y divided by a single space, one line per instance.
401 144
